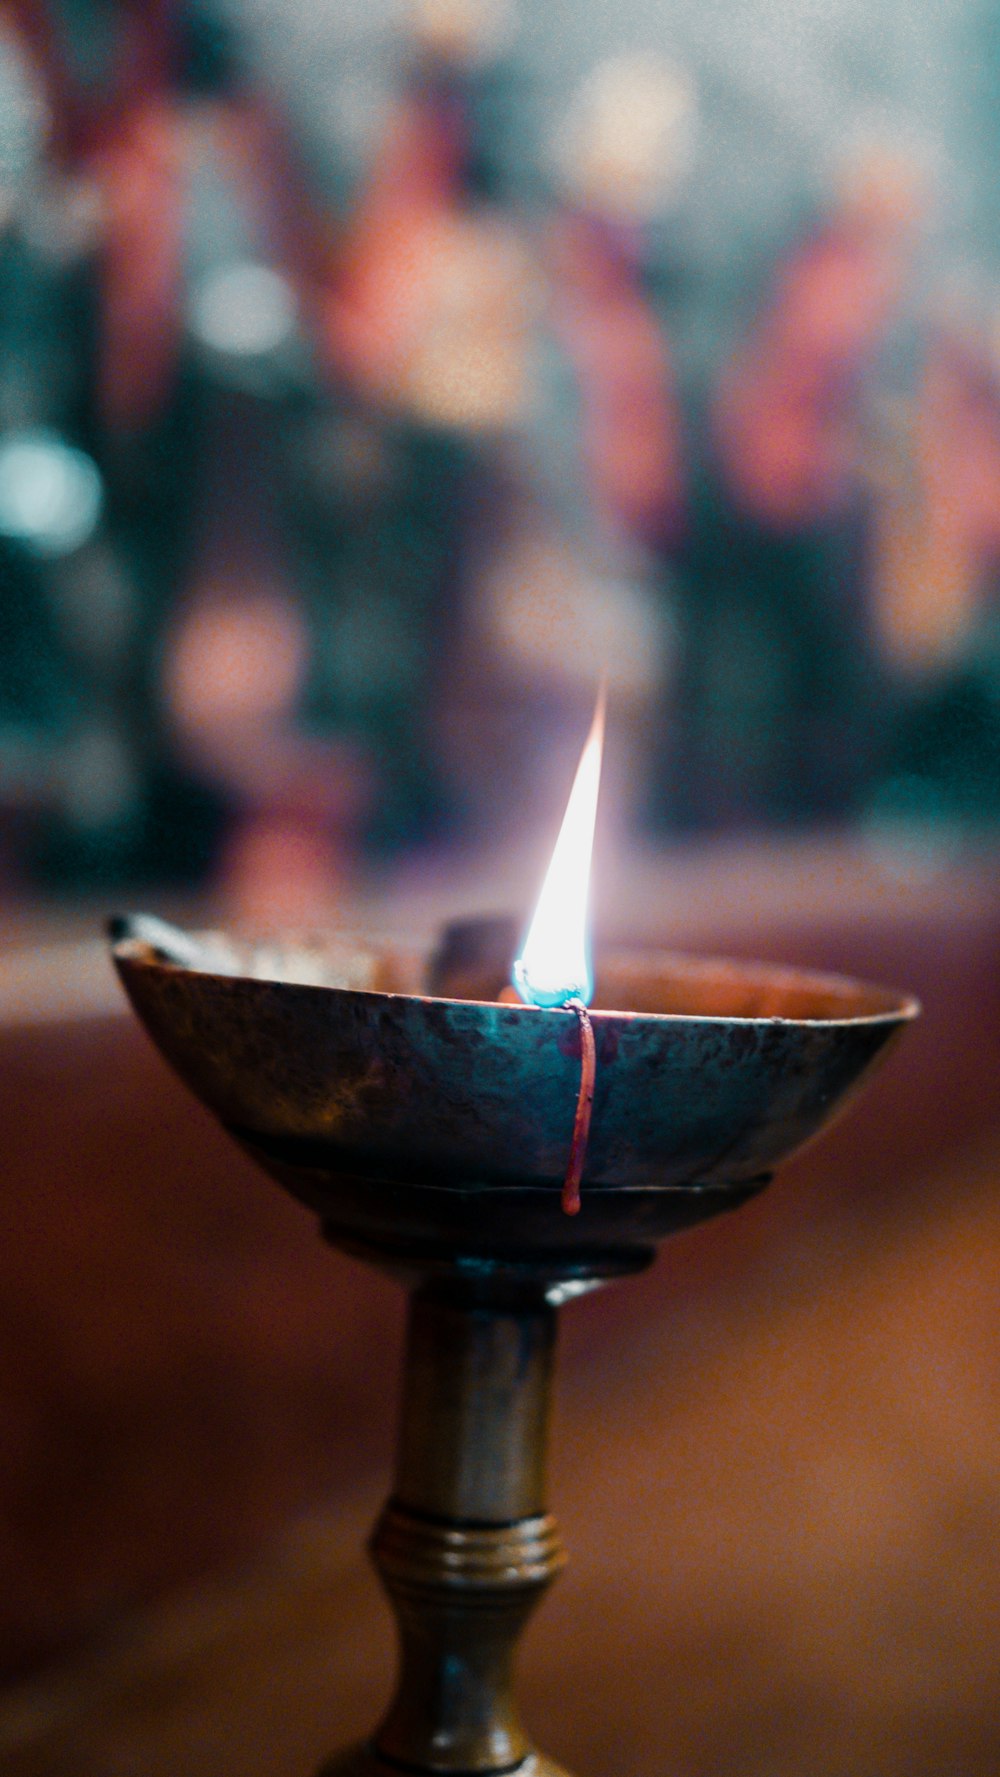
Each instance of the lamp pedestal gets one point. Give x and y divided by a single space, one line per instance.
465 1547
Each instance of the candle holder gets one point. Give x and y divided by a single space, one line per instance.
428 1126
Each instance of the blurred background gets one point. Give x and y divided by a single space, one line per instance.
372 378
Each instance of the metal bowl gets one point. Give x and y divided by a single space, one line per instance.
427 1125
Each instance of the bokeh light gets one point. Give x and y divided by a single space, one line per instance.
50 493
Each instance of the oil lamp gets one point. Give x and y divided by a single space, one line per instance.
428 1122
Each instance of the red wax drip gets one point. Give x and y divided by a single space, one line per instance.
584 1107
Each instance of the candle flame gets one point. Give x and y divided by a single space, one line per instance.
554 964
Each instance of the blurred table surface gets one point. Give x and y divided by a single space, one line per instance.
783 1517
783 1527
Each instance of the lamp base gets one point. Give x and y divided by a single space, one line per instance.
364 1761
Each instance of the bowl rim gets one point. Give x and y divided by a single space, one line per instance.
129 947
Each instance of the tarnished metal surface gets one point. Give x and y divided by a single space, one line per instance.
411 1117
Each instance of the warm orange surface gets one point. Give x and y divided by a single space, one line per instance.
179 1352
783 1528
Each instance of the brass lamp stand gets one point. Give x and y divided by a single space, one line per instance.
465 1547
429 1131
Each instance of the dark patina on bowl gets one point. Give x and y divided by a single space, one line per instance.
425 1122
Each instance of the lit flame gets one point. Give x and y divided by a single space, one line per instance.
554 964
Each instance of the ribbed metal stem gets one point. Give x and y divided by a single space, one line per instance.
464 1547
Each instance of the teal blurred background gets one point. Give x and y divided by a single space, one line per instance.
373 378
